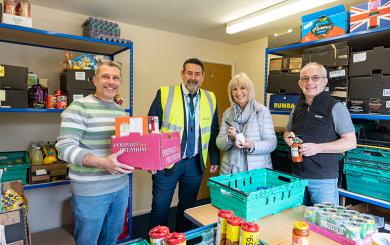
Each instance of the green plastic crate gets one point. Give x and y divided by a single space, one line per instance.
137 241
256 193
15 165
370 154
368 181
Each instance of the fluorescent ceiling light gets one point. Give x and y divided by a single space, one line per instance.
274 13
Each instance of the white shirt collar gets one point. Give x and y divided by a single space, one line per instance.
186 92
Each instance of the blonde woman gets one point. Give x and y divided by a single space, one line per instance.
247 135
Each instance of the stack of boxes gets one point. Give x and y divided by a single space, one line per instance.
77 83
13 86
370 72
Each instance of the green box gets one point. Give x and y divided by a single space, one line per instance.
15 165
370 154
256 193
368 181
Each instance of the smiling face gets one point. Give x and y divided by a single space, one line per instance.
107 82
312 82
240 95
192 77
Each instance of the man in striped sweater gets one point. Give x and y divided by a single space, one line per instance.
99 183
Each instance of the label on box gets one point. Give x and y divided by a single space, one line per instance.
79 75
337 73
387 104
40 172
10 218
2 95
2 71
386 92
359 57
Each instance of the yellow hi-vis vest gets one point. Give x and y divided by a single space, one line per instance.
173 114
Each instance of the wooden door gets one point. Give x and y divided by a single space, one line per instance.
217 77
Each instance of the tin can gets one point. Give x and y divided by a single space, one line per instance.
233 230
352 230
249 233
311 214
320 206
323 216
51 102
370 220
157 235
363 226
353 213
223 215
175 238
62 102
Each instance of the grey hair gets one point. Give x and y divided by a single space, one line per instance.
110 63
315 64
241 79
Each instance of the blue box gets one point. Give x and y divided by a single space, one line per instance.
324 24
369 15
285 102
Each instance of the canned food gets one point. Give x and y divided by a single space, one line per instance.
62 102
363 226
233 230
157 235
352 230
370 220
311 214
223 215
249 233
175 238
51 102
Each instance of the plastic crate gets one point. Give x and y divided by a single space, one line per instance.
15 165
380 155
368 181
137 241
256 193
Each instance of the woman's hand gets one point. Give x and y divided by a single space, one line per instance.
247 144
232 132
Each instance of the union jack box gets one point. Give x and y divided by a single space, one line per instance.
283 102
154 151
369 15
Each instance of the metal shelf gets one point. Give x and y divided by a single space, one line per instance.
280 112
47 39
30 110
370 116
364 198
44 185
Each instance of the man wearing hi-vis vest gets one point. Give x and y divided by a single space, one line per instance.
193 112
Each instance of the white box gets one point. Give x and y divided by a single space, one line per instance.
17 20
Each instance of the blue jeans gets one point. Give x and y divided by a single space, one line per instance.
99 219
187 172
321 190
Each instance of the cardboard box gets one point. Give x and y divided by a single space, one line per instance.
78 94
13 77
337 85
15 99
295 65
17 20
278 65
369 106
376 86
15 221
126 125
370 15
329 55
284 83
283 102
370 62
327 23
52 170
77 80
149 151
291 36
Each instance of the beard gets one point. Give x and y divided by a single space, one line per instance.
192 85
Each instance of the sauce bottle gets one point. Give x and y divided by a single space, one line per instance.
295 154
300 234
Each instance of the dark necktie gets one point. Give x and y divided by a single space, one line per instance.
191 129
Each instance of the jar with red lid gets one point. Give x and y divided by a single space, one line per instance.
223 216
295 154
249 233
300 234
157 235
175 238
233 230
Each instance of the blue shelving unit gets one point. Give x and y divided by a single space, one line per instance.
60 41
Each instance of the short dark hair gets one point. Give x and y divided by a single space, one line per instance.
193 61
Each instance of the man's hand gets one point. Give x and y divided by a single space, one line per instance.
310 149
112 165
152 172
214 168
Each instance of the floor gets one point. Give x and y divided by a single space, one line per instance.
63 235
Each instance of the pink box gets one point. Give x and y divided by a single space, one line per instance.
148 152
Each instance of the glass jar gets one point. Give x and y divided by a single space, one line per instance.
300 234
295 154
37 157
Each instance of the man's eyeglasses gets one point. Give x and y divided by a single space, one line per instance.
107 77
313 78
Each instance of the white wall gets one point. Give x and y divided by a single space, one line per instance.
158 58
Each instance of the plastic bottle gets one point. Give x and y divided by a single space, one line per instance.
37 157
300 234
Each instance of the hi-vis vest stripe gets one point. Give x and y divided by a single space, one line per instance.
173 114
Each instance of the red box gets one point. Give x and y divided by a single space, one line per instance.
149 151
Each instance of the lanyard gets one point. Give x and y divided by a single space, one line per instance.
190 113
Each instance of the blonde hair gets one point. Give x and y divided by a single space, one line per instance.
110 63
239 80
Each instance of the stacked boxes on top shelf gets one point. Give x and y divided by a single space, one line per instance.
369 15
102 29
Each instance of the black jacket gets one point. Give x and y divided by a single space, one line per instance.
214 154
